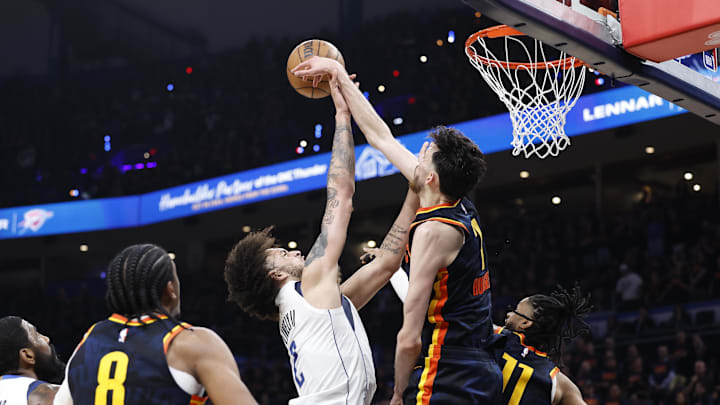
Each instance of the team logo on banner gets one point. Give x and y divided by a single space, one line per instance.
34 220
372 163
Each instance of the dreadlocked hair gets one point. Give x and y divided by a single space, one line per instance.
136 279
13 338
558 317
246 275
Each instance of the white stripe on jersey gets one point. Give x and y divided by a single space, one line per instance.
330 360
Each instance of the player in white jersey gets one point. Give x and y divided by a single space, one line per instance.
28 364
329 352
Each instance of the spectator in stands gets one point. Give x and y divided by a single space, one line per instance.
628 288
701 379
610 372
662 374
614 396
681 354
636 379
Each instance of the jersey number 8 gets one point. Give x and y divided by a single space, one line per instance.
108 382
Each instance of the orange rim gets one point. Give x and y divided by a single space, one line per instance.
499 31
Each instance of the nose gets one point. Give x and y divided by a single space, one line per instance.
296 253
45 338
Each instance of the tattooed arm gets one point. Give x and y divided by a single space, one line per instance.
369 279
319 278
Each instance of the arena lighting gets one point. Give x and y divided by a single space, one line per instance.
84 247
299 150
688 176
246 228
381 88
556 200
412 100
696 188
189 70
649 150
106 138
103 275
83 171
371 244
599 81
439 42
451 37
318 130
139 166
292 244
398 120
170 87
107 147
303 143
126 168
366 94
171 255
74 193
478 14
316 148
151 165
524 174
146 155
423 59
396 73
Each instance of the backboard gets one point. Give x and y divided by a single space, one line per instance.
597 39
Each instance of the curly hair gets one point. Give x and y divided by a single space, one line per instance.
136 279
458 161
558 317
247 276
13 338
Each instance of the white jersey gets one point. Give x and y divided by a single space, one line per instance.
15 389
330 356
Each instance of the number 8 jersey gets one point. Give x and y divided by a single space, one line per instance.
122 362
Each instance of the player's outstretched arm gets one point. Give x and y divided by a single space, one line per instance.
369 279
44 394
567 392
435 246
319 278
203 354
376 131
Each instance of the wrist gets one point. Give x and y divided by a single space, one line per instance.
342 115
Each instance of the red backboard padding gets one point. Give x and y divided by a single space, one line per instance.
660 30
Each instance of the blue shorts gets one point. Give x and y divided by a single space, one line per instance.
455 375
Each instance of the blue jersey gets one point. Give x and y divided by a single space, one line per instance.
528 374
123 362
460 306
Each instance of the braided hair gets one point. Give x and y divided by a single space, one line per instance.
557 317
136 279
13 338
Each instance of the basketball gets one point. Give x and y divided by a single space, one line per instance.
305 51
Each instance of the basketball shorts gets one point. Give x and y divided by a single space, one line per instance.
454 376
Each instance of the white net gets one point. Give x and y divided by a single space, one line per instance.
537 93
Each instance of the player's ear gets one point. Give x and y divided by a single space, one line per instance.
27 357
170 292
278 275
525 325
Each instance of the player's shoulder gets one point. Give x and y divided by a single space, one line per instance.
43 394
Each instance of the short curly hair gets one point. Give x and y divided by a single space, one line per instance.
247 276
13 338
458 161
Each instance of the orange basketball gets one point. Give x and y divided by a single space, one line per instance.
305 51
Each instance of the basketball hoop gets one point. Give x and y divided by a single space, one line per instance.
538 99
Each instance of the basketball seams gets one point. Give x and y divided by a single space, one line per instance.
320 48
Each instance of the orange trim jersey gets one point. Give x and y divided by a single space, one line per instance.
123 362
460 305
528 373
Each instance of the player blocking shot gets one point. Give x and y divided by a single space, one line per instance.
142 354
29 366
441 355
328 349
530 343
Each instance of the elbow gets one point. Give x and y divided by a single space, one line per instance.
409 345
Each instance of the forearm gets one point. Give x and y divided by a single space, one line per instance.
341 173
370 123
406 355
393 245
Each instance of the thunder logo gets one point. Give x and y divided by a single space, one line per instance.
34 220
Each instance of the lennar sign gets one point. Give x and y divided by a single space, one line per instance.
622 107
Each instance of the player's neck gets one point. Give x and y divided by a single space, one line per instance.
431 199
30 373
